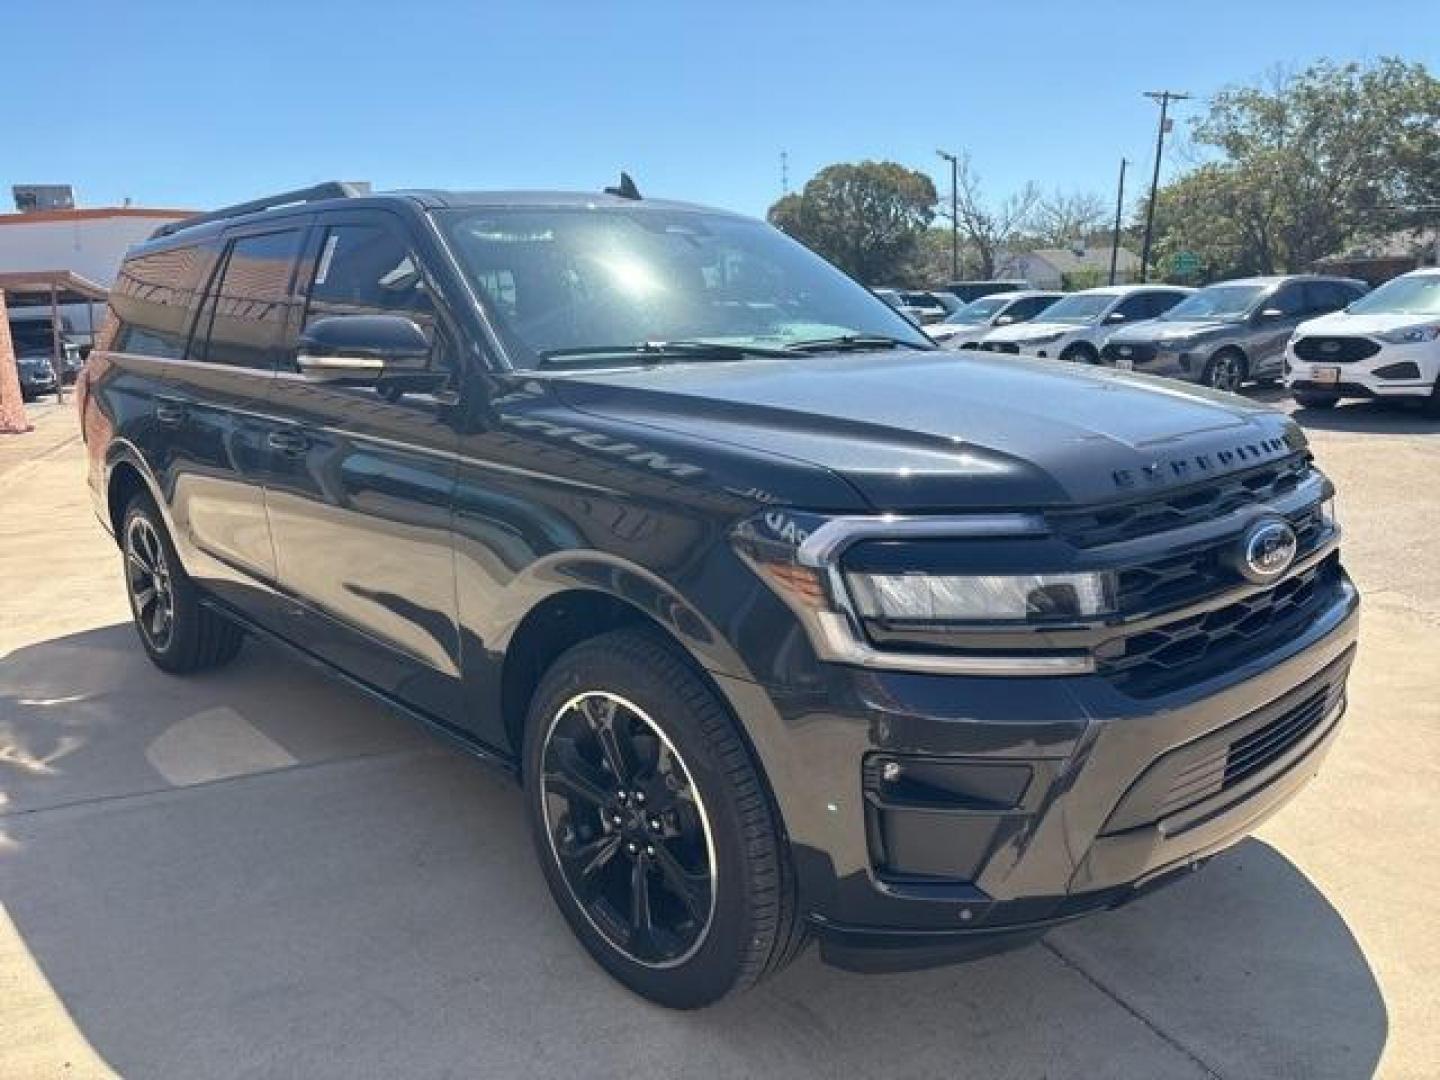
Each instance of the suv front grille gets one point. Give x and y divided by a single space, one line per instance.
1202 502
1335 350
1193 647
1134 351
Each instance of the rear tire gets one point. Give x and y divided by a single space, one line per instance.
1308 400
179 634
638 784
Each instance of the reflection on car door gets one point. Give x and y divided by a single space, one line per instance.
216 416
360 479
1267 346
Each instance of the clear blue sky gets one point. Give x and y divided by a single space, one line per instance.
202 103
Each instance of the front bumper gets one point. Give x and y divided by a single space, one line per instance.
1122 794
1395 371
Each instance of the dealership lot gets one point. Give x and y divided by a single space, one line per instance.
258 872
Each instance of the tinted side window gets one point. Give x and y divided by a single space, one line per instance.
1161 302
1288 299
153 299
1327 296
249 310
1131 308
1024 310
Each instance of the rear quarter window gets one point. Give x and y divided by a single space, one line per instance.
154 299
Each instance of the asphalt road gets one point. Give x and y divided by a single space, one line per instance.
258 873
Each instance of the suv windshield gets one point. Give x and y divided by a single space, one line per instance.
1419 295
979 311
1079 308
1229 303
563 281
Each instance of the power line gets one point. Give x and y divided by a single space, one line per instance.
1164 97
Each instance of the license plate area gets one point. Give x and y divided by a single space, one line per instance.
1326 376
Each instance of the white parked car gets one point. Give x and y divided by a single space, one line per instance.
1386 344
964 328
1076 328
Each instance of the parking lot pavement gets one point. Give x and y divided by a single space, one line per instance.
260 873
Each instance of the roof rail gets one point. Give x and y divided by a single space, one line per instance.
331 189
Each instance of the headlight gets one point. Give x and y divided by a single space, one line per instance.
1410 335
844 608
920 597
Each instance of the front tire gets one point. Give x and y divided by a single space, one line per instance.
1225 371
179 634
653 827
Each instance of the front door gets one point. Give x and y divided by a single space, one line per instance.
361 479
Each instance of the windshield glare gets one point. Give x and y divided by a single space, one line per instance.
573 280
1226 302
1419 295
978 311
1078 308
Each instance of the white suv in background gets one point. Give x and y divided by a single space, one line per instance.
1386 344
1076 327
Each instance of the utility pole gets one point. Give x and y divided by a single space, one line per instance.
954 161
1119 209
784 172
1164 97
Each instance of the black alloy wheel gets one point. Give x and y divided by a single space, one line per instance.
147 577
628 829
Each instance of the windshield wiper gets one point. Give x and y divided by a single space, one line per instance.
654 352
855 343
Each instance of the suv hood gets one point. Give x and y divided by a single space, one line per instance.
1159 331
1033 329
1342 322
937 431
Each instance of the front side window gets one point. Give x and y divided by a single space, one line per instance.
1417 295
1027 309
576 280
248 311
368 270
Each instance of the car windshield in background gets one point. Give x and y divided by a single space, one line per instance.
1402 296
574 281
978 311
1079 308
1228 303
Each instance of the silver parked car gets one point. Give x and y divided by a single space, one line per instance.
1232 331
1076 328
965 328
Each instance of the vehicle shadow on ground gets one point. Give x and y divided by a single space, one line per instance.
301 884
1361 417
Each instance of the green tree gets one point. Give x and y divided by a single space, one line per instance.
866 218
1304 166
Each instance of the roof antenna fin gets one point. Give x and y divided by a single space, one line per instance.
626 188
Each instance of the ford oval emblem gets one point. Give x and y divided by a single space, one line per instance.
1266 550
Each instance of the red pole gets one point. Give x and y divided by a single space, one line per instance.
13 420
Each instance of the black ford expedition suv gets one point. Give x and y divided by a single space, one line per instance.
790 624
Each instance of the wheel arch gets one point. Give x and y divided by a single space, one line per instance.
125 477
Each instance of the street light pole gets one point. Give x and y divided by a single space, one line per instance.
1119 209
1164 97
954 161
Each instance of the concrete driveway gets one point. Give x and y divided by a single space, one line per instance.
259 873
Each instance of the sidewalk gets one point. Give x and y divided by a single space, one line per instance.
56 426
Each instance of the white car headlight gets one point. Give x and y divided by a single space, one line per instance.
1410 335
920 597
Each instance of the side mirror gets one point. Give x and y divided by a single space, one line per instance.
362 348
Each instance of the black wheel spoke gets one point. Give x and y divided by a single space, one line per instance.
570 777
692 890
584 862
601 715
144 595
642 928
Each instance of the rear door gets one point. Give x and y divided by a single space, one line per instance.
360 479
215 415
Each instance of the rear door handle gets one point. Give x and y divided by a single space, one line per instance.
169 412
287 442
